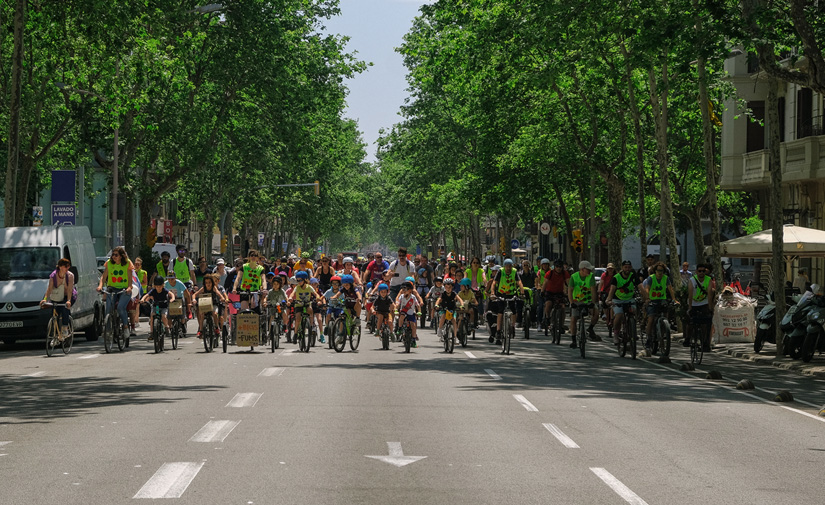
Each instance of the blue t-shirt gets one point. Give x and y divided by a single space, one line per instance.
337 303
179 288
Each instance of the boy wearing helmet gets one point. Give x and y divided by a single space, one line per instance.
277 295
580 292
435 293
407 301
302 296
351 296
622 289
382 307
335 306
446 302
468 298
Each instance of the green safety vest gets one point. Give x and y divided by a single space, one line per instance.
181 269
161 270
118 275
624 287
581 287
251 279
700 294
507 286
658 289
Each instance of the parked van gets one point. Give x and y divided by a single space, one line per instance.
27 256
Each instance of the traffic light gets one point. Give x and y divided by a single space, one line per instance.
151 237
502 245
224 244
317 189
578 245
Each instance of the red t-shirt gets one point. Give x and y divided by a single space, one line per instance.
554 282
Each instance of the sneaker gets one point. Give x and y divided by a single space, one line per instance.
573 344
414 343
592 335
321 339
199 334
686 343
149 339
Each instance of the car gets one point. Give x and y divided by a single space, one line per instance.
101 263
597 273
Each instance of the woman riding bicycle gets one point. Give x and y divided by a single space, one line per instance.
61 284
117 275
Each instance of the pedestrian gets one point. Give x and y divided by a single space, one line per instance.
801 280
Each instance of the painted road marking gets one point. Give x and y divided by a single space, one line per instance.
244 400
469 354
617 486
214 431
492 374
170 481
396 456
269 372
35 374
564 439
526 404
88 356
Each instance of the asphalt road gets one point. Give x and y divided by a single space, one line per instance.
538 426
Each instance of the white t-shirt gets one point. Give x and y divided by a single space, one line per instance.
407 304
403 272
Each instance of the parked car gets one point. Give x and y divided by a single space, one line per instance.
101 263
28 255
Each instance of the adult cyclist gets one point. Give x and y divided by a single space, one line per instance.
582 291
401 268
503 288
623 287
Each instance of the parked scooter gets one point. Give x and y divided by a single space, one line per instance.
795 322
765 324
815 338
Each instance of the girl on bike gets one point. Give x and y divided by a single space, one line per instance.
210 288
468 299
447 301
161 297
382 307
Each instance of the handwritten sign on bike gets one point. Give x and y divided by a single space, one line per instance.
246 333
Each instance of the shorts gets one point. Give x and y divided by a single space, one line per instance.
576 310
385 314
499 304
620 307
654 307
700 314
409 317
554 298
335 312
163 311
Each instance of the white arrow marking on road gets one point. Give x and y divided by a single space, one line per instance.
617 486
214 431
88 356
244 400
526 404
170 481
492 374
471 355
396 456
564 439
269 372
35 374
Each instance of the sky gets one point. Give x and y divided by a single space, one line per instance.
376 28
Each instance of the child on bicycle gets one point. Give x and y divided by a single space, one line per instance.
407 303
382 308
435 294
210 288
276 297
448 301
335 306
468 299
350 295
161 298
318 305
302 296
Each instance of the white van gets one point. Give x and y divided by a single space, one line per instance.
27 256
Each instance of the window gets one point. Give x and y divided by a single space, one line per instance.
28 263
756 126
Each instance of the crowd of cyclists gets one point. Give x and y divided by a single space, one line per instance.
400 291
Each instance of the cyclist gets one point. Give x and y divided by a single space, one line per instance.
250 278
400 268
335 306
503 288
61 287
441 267
604 289
302 296
656 288
350 294
554 289
318 305
324 273
349 269
210 288
304 264
407 302
142 276
477 280
527 274
700 291
162 268
117 274
435 293
582 291
183 267
538 286
284 267
382 307
622 288
161 297
375 269
201 270
447 301
468 298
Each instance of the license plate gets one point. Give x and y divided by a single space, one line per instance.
11 324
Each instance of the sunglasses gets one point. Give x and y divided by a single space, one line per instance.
660 271
115 255
181 250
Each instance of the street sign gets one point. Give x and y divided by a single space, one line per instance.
168 229
260 240
63 186
514 244
545 228
64 214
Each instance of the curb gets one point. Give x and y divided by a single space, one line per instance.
781 363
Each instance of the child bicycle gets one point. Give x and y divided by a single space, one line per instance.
345 328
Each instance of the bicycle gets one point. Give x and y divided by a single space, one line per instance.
275 325
449 331
113 332
697 337
628 335
406 334
209 333
386 334
507 329
346 329
176 321
464 328
659 339
158 332
53 335
303 332
554 318
527 318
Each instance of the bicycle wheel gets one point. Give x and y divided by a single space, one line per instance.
582 335
119 337
385 338
461 334
274 337
558 323
207 332
52 336
355 338
407 338
108 331
157 333
340 335
177 329
69 340
632 336
664 337
526 322
506 324
449 336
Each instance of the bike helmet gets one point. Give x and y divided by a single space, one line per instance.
408 285
545 261
301 275
305 255
347 279
348 260
496 268
369 285
448 280
383 287
508 261
466 282
439 279
314 280
410 279
293 281
284 259
335 278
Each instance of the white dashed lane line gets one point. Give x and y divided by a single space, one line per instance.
561 437
525 403
494 375
244 400
269 372
214 431
617 486
470 355
88 356
170 481
35 374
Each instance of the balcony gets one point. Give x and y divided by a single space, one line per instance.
802 160
755 171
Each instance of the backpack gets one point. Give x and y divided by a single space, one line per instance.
53 277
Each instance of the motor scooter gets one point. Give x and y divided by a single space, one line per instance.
795 323
815 335
765 324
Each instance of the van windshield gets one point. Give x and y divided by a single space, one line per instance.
28 263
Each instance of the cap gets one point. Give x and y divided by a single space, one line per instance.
545 261
220 261
610 265
585 264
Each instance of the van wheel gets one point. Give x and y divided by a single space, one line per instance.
94 331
